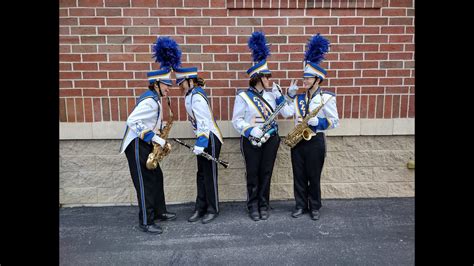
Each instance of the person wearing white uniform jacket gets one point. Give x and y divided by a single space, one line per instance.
251 108
208 139
307 157
143 124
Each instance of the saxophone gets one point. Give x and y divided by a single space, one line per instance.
158 153
302 130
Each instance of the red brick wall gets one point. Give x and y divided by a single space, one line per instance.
105 51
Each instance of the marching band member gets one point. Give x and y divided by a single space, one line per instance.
252 107
208 139
142 123
307 157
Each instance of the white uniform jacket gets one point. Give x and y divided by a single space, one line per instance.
145 119
250 110
201 118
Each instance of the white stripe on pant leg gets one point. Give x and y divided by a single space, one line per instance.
214 174
140 179
245 164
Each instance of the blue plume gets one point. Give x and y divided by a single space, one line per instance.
258 44
167 52
317 47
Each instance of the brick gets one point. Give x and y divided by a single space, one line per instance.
114 109
196 3
168 3
198 21
401 3
97 109
375 56
88 109
109 12
342 12
92 39
120 92
363 106
371 108
342 30
374 73
249 21
226 57
69 39
69 75
342 82
267 13
68 21
366 81
189 30
117 3
300 21
65 84
112 84
200 58
398 73
163 31
404 56
214 12
137 66
136 12
274 21
105 109
86 84
120 75
348 73
65 66
110 30
171 21
69 57
379 106
396 12
408 81
145 21
91 3
375 21
94 57
291 30
396 106
401 21
351 56
146 39
111 66
316 29
289 65
391 64
119 21
368 12
342 48
341 65
94 75
91 21
376 39
325 21
366 47
223 39
401 38
214 66
237 49
162 12
404 106
223 75
189 12
71 114
110 48
81 12
85 66
350 39
79 109
217 3
191 48
67 3
387 112
367 30
70 92
390 81
144 3
351 21
318 12
223 21
135 83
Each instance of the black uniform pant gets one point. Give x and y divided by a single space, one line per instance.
207 199
148 183
307 159
259 164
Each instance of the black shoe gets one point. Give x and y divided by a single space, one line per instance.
254 216
314 215
264 214
167 216
151 229
196 216
209 217
297 213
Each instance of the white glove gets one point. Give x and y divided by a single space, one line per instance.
256 132
313 121
159 140
293 88
198 150
276 90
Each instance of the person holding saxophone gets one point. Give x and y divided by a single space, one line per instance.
208 140
258 144
140 137
317 109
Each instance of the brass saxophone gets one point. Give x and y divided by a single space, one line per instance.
302 130
158 153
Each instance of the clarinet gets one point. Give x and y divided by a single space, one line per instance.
266 126
204 154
